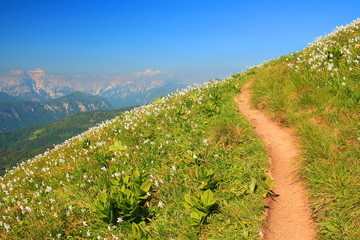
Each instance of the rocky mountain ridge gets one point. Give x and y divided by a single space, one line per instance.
120 91
18 114
34 85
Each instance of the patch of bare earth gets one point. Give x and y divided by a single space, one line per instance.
288 216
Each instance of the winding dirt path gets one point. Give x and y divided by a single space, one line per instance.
288 217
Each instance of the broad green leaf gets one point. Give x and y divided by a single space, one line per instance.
210 172
146 186
189 199
199 212
269 183
137 173
144 197
252 185
207 198
126 179
117 147
114 182
195 216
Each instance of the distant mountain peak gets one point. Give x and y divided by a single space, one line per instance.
151 72
37 71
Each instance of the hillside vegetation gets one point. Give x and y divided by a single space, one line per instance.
19 145
189 166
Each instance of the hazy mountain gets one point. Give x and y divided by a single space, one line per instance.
7 97
136 94
38 97
34 85
121 90
17 114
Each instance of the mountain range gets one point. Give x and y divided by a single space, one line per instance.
17 114
29 97
120 91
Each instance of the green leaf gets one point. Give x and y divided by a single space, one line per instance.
137 173
199 212
190 200
144 197
126 179
146 186
193 202
210 172
117 147
252 185
114 182
239 191
208 198
269 183
195 215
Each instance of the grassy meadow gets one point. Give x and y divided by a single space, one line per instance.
187 166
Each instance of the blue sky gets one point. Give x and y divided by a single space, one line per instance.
198 39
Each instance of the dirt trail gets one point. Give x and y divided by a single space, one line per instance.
288 217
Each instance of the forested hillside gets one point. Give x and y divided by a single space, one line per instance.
20 145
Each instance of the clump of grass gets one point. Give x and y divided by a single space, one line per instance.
225 134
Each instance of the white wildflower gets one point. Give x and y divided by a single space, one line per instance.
7 226
160 204
28 209
48 189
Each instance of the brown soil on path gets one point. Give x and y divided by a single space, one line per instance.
288 217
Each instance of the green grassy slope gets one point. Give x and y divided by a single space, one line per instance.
20 145
185 167
317 91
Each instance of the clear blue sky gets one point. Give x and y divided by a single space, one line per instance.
197 38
